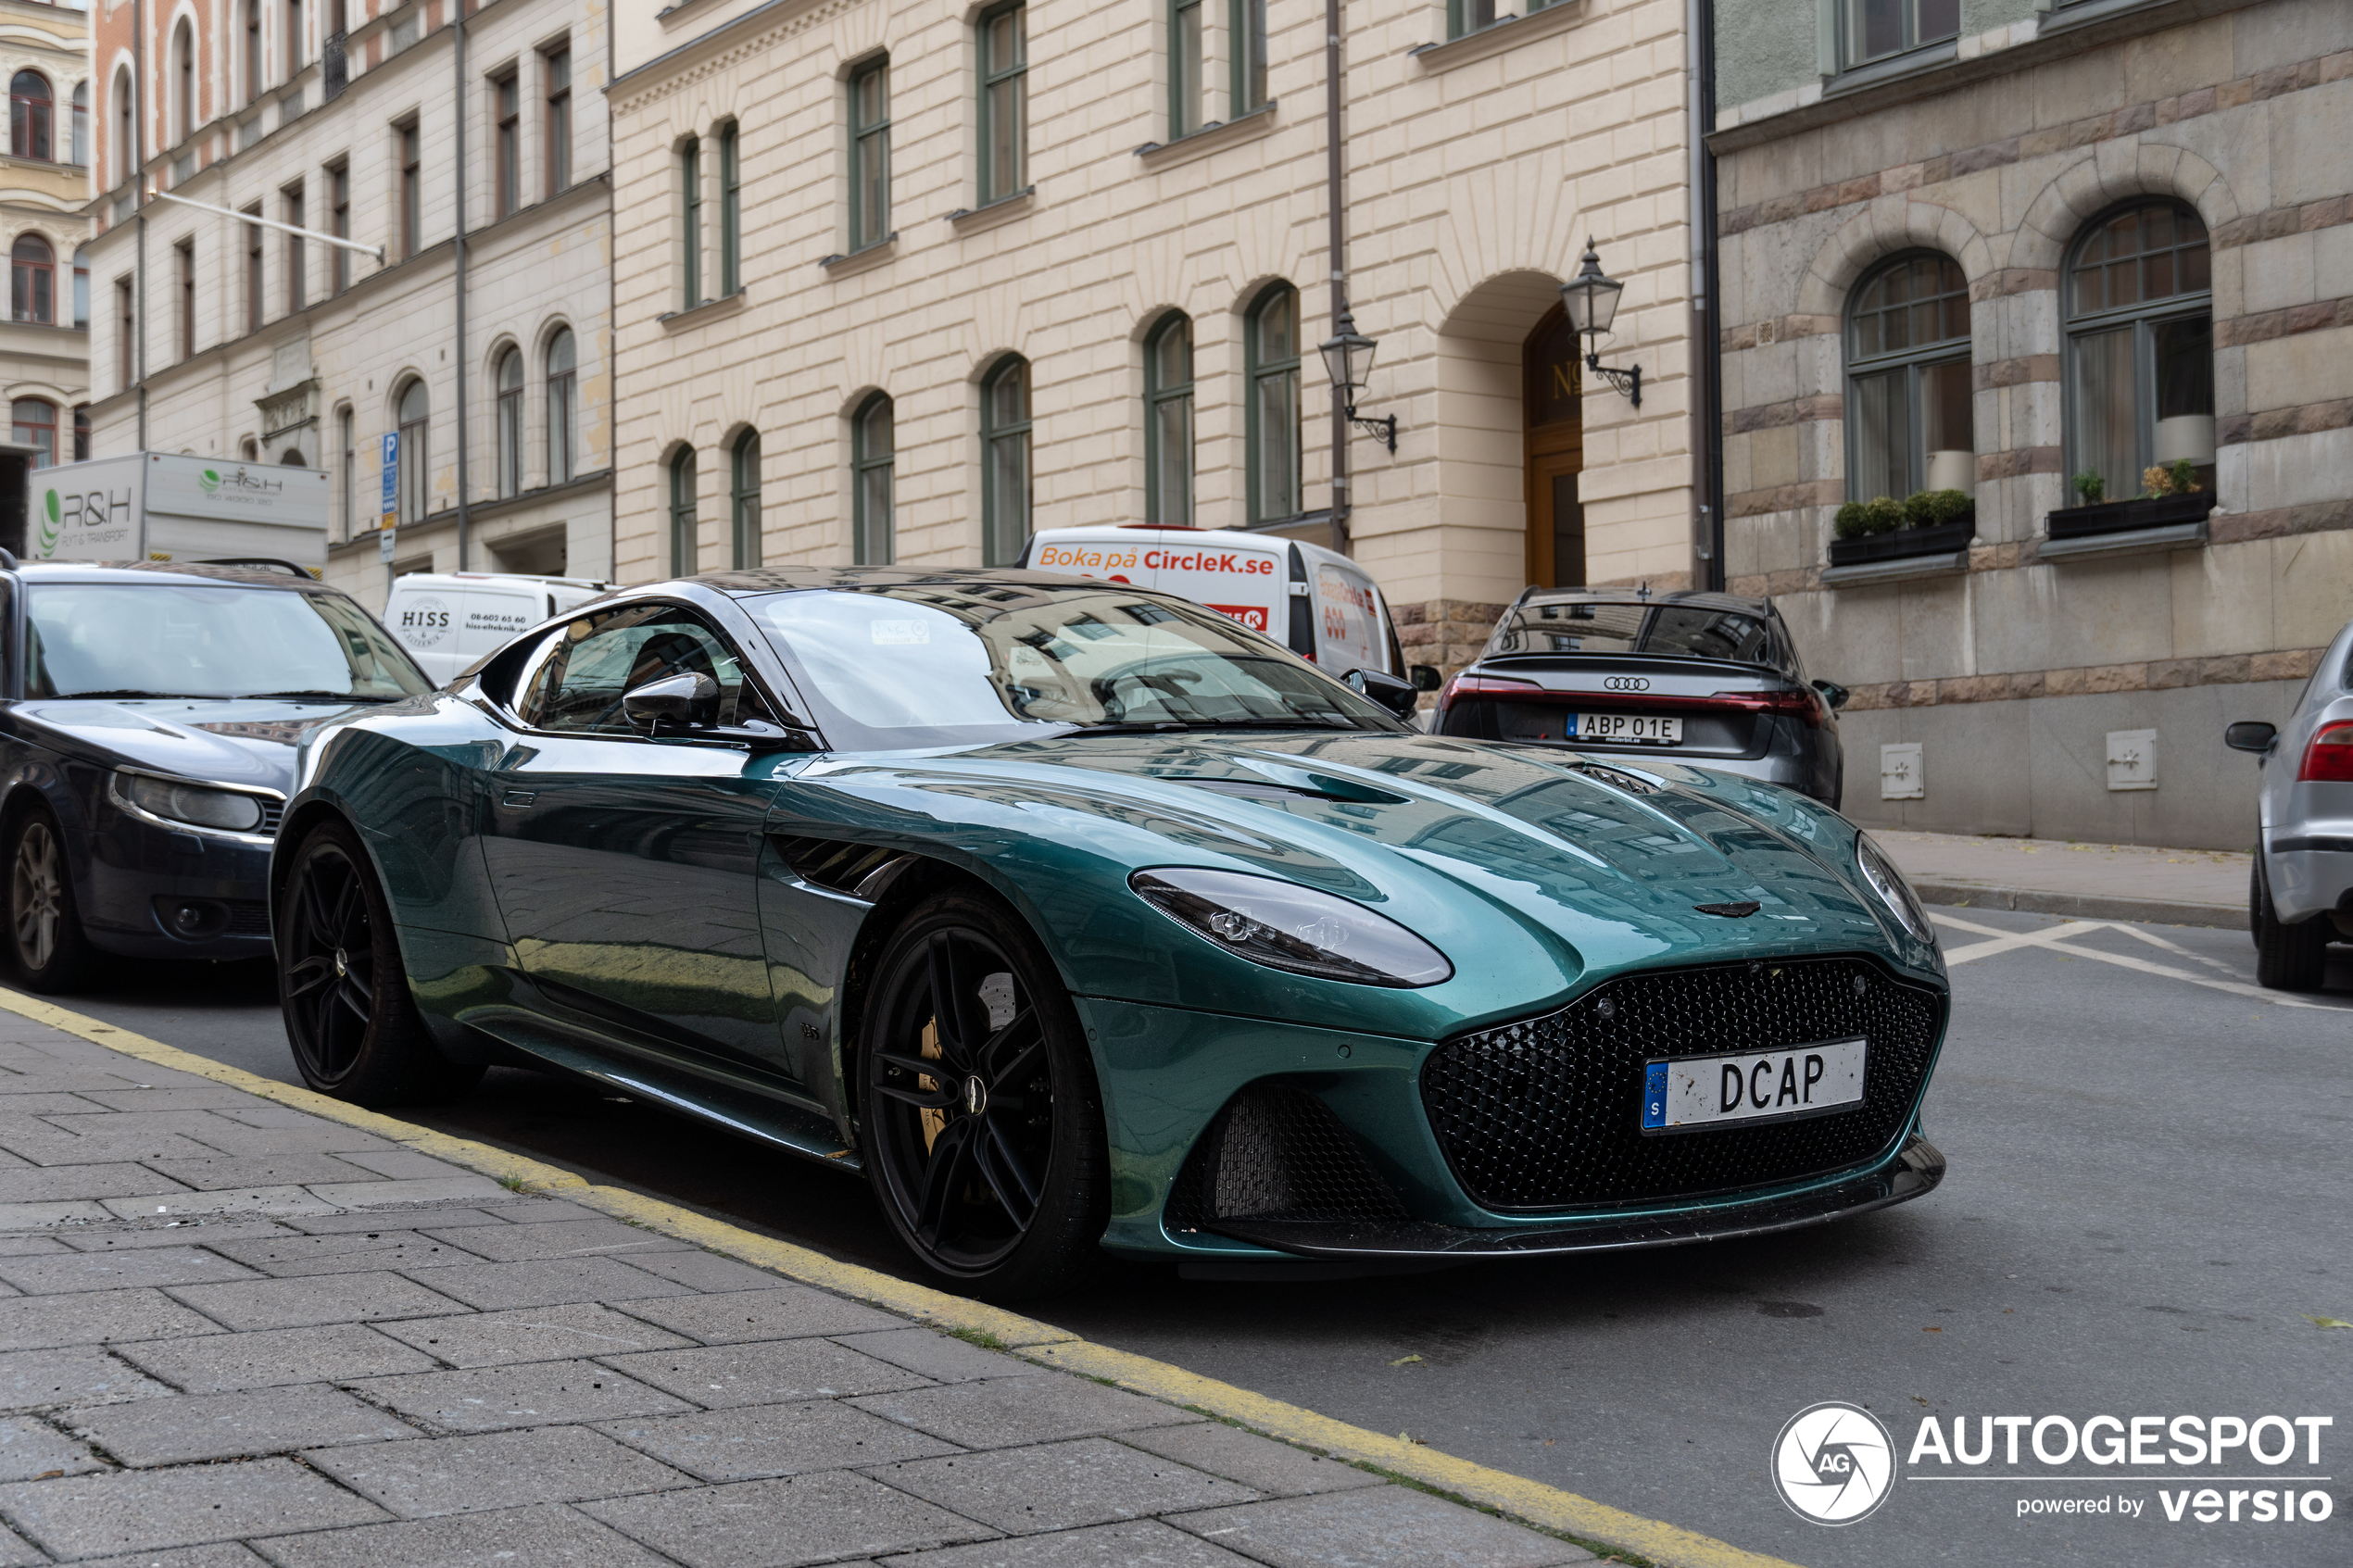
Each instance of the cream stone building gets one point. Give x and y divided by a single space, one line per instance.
44 343
907 282
2043 252
344 117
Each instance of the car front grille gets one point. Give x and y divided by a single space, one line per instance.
1277 1152
247 917
1546 1113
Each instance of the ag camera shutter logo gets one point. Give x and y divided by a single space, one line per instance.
1834 1463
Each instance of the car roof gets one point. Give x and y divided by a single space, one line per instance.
750 580
142 571
1735 603
494 580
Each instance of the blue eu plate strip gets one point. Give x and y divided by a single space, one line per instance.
1655 1095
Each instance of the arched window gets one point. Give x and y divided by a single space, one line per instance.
82 432
82 287
32 280
870 154
126 143
689 224
731 213
35 424
1168 421
28 109
2140 349
1005 462
415 471
81 147
1004 100
563 408
683 543
249 449
872 449
347 434
743 498
1271 418
1907 381
510 394
184 64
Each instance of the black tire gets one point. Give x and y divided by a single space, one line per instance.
45 940
992 1170
342 987
2287 958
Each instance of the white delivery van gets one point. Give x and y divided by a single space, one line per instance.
450 621
1318 602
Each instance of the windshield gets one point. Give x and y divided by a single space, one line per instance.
207 639
1586 626
912 666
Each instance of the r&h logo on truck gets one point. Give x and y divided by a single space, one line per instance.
82 512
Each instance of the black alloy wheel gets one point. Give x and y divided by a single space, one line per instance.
981 1120
343 988
2287 958
45 929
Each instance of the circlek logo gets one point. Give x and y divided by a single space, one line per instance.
1834 1463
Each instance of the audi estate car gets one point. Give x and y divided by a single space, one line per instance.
147 732
1711 680
1078 917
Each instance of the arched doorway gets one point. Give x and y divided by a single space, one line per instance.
1551 404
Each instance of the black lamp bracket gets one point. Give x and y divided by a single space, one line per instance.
1628 382
1383 429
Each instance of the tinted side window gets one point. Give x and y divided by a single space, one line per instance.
576 685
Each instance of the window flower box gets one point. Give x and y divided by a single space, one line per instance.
2129 517
1943 538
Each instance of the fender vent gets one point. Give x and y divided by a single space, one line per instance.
1277 1152
831 863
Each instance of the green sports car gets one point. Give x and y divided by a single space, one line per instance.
1079 918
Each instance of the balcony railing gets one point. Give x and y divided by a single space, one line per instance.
334 74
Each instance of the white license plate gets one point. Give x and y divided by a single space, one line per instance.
1637 729
1689 1092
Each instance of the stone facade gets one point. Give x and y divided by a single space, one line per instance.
2013 660
334 361
1474 170
46 362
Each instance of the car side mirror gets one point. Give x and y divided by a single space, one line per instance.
672 702
2251 735
1399 696
1426 677
1832 692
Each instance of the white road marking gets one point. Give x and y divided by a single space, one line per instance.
2011 941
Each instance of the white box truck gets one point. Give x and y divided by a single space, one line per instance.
165 506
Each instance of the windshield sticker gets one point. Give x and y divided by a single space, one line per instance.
901 634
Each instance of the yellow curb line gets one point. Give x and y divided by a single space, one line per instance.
1668 1545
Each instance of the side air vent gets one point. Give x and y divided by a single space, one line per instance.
1277 1152
829 862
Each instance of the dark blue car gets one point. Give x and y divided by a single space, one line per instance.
148 720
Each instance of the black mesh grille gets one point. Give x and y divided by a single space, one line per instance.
1277 1152
1546 1113
248 917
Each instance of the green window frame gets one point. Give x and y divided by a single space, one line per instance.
1466 17
690 222
1247 46
684 547
1879 30
1004 101
1908 378
1005 489
731 212
1187 59
2138 304
1271 415
870 154
743 499
873 454
1168 422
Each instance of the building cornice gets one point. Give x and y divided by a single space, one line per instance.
703 55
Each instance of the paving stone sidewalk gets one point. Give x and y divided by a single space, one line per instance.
232 1332
2087 880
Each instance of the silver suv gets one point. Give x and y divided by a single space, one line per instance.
2302 897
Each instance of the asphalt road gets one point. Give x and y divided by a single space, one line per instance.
2147 1197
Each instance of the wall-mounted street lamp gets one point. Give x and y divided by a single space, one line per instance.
155 195
1592 300
1348 359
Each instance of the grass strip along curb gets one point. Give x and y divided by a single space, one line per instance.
1556 1512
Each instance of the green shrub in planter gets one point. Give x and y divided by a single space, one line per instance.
1929 509
1882 514
1852 521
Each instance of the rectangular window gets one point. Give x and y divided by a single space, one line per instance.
870 155
126 335
1186 60
294 38
731 214
183 258
253 50
1877 29
1004 106
411 188
559 126
690 224
298 268
507 151
252 271
1247 46
339 223
345 424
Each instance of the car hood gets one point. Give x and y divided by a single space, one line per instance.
246 740
1565 871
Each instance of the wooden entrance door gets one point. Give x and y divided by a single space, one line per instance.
1551 401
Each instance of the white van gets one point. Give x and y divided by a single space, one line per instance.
1320 603
448 621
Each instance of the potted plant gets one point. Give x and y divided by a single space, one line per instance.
2172 495
1927 522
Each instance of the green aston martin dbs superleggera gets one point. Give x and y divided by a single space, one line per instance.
1079 917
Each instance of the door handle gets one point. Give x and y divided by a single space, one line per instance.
519 798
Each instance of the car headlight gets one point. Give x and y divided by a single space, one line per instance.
1286 927
1893 890
225 809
